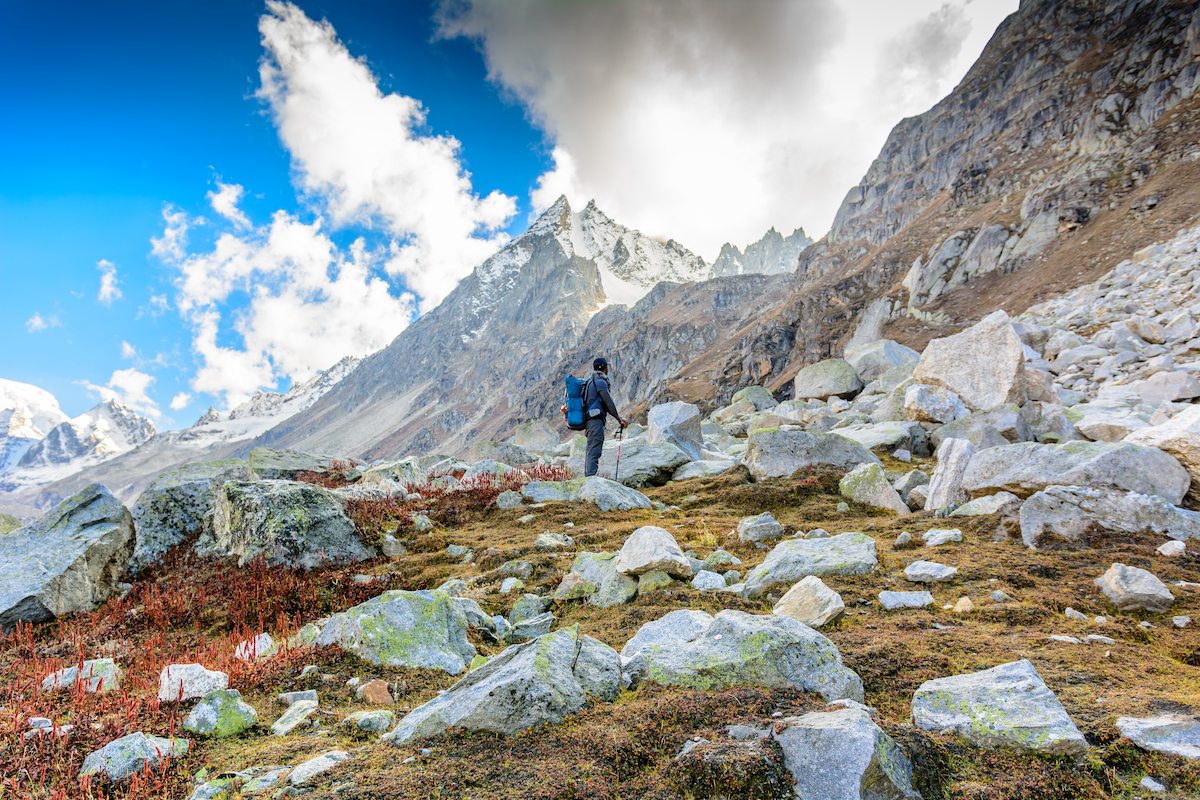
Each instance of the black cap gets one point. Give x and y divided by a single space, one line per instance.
600 363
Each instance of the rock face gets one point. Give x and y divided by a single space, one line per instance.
868 484
118 760
740 648
1008 706
984 365
1130 589
811 603
946 484
541 681
1165 733
67 561
283 522
775 453
1023 469
843 755
678 424
1066 512
404 629
791 560
174 505
834 377
649 549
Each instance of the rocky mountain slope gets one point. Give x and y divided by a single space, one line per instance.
27 414
773 254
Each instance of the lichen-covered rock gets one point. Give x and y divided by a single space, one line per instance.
984 365
888 436
651 548
97 675
220 713
868 484
893 600
1001 503
511 455
508 500
185 681
993 427
284 522
679 424
759 397
1008 706
286 465
118 760
528 606
758 650
175 504
932 404
833 377
612 587
759 528
676 627
548 542
842 754
845 554
538 682
404 629
573 586
776 453
1178 437
811 602
1130 589
368 723
643 463
1066 512
606 494
67 561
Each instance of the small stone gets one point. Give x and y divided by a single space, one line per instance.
1130 588
939 536
843 508
893 600
528 518
573 586
1071 613
185 681
369 723
705 581
1000 597
315 766
1171 549
1101 620
1064 639
1147 626
817 533
552 541
759 528
296 714
1095 638
508 500
902 541
902 455
219 714
1151 785
259 648
98 675
392 547
811 602
533 627
457 550
929 572
964 606
375 693
1181 622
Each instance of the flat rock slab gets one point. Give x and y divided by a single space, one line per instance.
296 714
606 494
268 464
929 572
791 560
67 561
1165 733
777 453
705 468
1008 706
315 766
118 760
893 600
677 627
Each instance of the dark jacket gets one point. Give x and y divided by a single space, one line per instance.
598 387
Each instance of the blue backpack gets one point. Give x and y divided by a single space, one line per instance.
574 408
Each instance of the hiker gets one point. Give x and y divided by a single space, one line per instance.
597 395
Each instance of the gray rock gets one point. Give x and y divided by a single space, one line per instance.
118 760
775 453
1165 733
528 606
759 528
174 505
933 404
286 465
1003 503
653 581
833 377
548 542
404 629
758 396
1066 513
297 713
510 455
888 436
677 627
984 364
532 627
873 360
893 600
288 698
705 468
574 586
811 602
541 681
607 494
516 568
911 480
929 572
612 587
791 560
1109 420
220 713
868 484
706 581
67 561
946 485
678 424
746 649
1178 437
284 522
1130 589
918 497
720 558
994 427
185 681
96 675
843 755
650 548
935 537
406 472
511 585
258 648
508 500
1008 706
1023 469
310 769
369 723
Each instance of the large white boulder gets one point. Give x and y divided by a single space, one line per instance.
652 549
1006 707
846 554
120 759
679 424
677 627
1179 437
1131 589
185 681
833 377
777 453
946 484
67 561
1066 512
984 365
936 404
1107 420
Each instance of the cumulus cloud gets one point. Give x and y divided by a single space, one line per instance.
180 401
358 154
155 306
39 323
225 202
108 282
129 388
709 121
172 245
128 351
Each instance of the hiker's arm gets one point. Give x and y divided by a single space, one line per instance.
608 404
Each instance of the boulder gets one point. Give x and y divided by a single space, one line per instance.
508 500
776 453
811 602
538 682
283 522
175 504
612 587
946 485
650 548
833 377
893 600
67 561
508 454
935 404
868 484
184 681
708 581
678 424
643 463
994 427
1167 387
120 759
287 465
368 723
1066 512
295 716
935 537
549 542
1002 503
1109 420
929 572
532 627
611 496
909 481
220 713
97 675
759 528
573 586
1178 734
1178 437
791 560
530 605
888 436
258 648
842 754
984 365
404 629
1132 589
1023 469
759 397
746 649
1005 707
487 469
406 472
705 468
315 766
873 360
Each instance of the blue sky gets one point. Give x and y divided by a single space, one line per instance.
319 204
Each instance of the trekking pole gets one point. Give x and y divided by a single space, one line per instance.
620 436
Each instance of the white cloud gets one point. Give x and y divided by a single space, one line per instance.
180 401
108 282
128 351
172 245
36 323
358 155
562 180
155 307
128 387
710 121
225 202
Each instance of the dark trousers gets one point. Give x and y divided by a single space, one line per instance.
595 446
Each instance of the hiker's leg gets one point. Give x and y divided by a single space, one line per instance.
595 446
